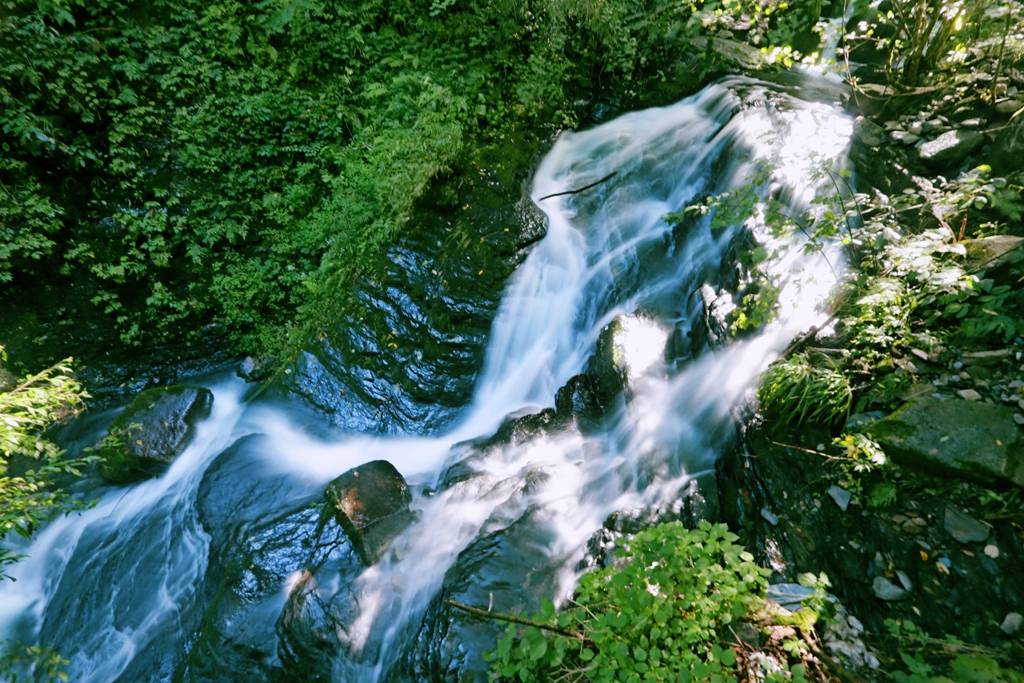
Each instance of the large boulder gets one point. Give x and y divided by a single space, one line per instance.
950 147
152 431
371 503
976 439
256 617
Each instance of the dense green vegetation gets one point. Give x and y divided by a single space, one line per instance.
171 164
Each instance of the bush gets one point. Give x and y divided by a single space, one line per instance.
795 390
657 617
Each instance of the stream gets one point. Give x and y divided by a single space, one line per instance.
216 564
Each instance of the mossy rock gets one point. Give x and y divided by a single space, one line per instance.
955 436
152 431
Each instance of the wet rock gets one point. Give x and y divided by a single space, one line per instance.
1012 623
401 351
626 348
508 570
969 395
307 632
714 328
841 496
152 431
963 527
977 439
950 147
884 589
582 398
371 503
266 532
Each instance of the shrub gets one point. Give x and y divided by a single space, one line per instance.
795 390
657 617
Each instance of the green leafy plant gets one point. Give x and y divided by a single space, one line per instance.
795 390
927 659
660 615
29 462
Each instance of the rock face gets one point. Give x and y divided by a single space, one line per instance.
371 503
950 147
977 439
266 533
401 354
152 431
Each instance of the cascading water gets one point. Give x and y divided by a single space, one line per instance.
126 576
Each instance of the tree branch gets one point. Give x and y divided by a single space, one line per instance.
580 189
513 619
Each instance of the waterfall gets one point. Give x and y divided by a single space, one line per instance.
608 252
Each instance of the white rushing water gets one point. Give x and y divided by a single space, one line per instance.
608 252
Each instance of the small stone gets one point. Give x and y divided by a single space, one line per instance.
885 589
770 516
1009 106
904 579
791 596
905 137
969 395
992 551
841 496
1019 419
963 527
958 365
1012 623
973 123
916 128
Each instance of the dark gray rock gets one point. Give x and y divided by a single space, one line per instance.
868 132
954 436
885 589
267 531
963 527
401 351
152 431
509 571
950 147
371 503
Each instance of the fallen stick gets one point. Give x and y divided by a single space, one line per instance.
499 616
580 189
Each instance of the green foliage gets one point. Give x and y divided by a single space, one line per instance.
45 663
659 616
797 389
925 659
189 162
924 41
29 462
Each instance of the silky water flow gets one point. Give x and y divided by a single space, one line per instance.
123 578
